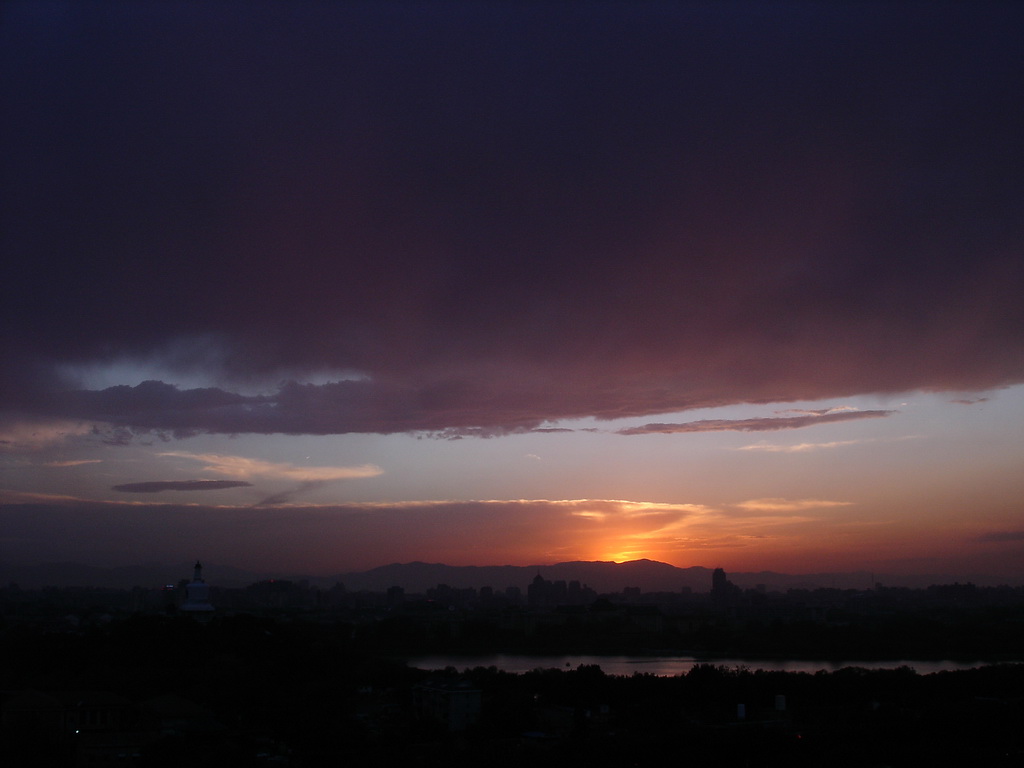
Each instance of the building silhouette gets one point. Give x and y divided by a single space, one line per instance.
721 587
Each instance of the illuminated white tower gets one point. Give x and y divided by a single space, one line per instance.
197 594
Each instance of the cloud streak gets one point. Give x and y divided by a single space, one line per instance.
242 466
799 447
768 424
28 436
788 505
158 486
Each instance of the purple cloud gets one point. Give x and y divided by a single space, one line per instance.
495 217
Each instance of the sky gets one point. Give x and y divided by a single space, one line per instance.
316 287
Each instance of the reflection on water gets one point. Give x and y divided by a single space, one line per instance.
667 666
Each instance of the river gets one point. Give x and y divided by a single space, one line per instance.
667 666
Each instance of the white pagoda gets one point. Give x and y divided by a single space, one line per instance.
197 593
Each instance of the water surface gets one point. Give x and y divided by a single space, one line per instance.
667 666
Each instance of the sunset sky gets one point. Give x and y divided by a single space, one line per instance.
318 287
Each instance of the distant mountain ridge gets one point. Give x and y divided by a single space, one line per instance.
417 577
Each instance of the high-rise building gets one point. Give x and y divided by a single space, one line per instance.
719 582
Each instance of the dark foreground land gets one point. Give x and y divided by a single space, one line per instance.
254 691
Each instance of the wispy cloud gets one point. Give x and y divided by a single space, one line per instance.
242 466
31 497
72 463
156 486
28 436
617 508
799 447
766 424
819 411
788 505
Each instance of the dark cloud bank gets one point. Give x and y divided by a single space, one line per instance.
492 216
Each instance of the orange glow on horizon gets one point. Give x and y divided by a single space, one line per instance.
626 555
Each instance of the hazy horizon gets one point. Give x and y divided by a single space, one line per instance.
417 576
